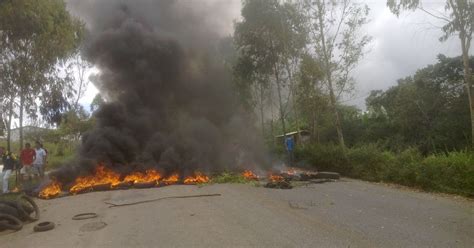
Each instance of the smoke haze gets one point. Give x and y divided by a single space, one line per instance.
170 99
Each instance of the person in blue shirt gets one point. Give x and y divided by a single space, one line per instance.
290 147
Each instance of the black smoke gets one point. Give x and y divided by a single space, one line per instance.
170 100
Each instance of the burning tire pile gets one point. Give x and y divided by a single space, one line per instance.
282 180
106 179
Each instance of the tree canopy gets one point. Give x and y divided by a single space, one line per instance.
35 38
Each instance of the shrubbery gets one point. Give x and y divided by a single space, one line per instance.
451 173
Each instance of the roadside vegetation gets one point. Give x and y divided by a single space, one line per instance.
451 172
230 177
293 69
291 63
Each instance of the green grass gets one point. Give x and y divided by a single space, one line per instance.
227 177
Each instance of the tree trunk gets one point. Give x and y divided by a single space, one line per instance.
282 113
313 125
272 131
337 120
22 103
9 124
327 65
261 109
468 80
294 101
314 122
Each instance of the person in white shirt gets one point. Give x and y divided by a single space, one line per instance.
40 159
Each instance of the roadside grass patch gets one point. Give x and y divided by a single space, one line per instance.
228 177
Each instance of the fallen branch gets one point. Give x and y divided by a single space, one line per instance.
112 205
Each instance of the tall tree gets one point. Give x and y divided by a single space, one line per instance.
311 100
7 92
338 44
270 34
34 37
458 20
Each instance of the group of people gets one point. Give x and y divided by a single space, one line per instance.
30 164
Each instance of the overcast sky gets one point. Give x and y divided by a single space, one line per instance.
400 46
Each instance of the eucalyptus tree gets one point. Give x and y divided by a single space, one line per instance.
338 44
271 34
34 37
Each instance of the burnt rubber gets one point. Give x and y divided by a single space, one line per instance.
8 209
10 222
43 226
27 207
144 185
84 216
23 211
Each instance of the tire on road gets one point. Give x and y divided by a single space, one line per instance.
43 226
8 209
23 212
84 216
10 222
27 207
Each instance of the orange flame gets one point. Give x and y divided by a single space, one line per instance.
276 178
139 177
171 179
106 178
249 175
102 175
197 178
50 191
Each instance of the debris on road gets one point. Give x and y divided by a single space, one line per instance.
10 222
43 226
112 205
84 216
13 212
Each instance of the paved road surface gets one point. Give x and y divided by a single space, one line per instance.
347 213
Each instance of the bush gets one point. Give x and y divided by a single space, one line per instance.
324 157
369 162
450 173
405 168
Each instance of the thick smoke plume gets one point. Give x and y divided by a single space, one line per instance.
170 103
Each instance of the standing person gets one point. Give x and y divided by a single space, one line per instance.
40 159
9 163
27 156
46 157
290 147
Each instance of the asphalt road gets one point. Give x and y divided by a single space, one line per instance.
347 213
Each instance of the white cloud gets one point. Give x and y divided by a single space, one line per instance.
400 47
